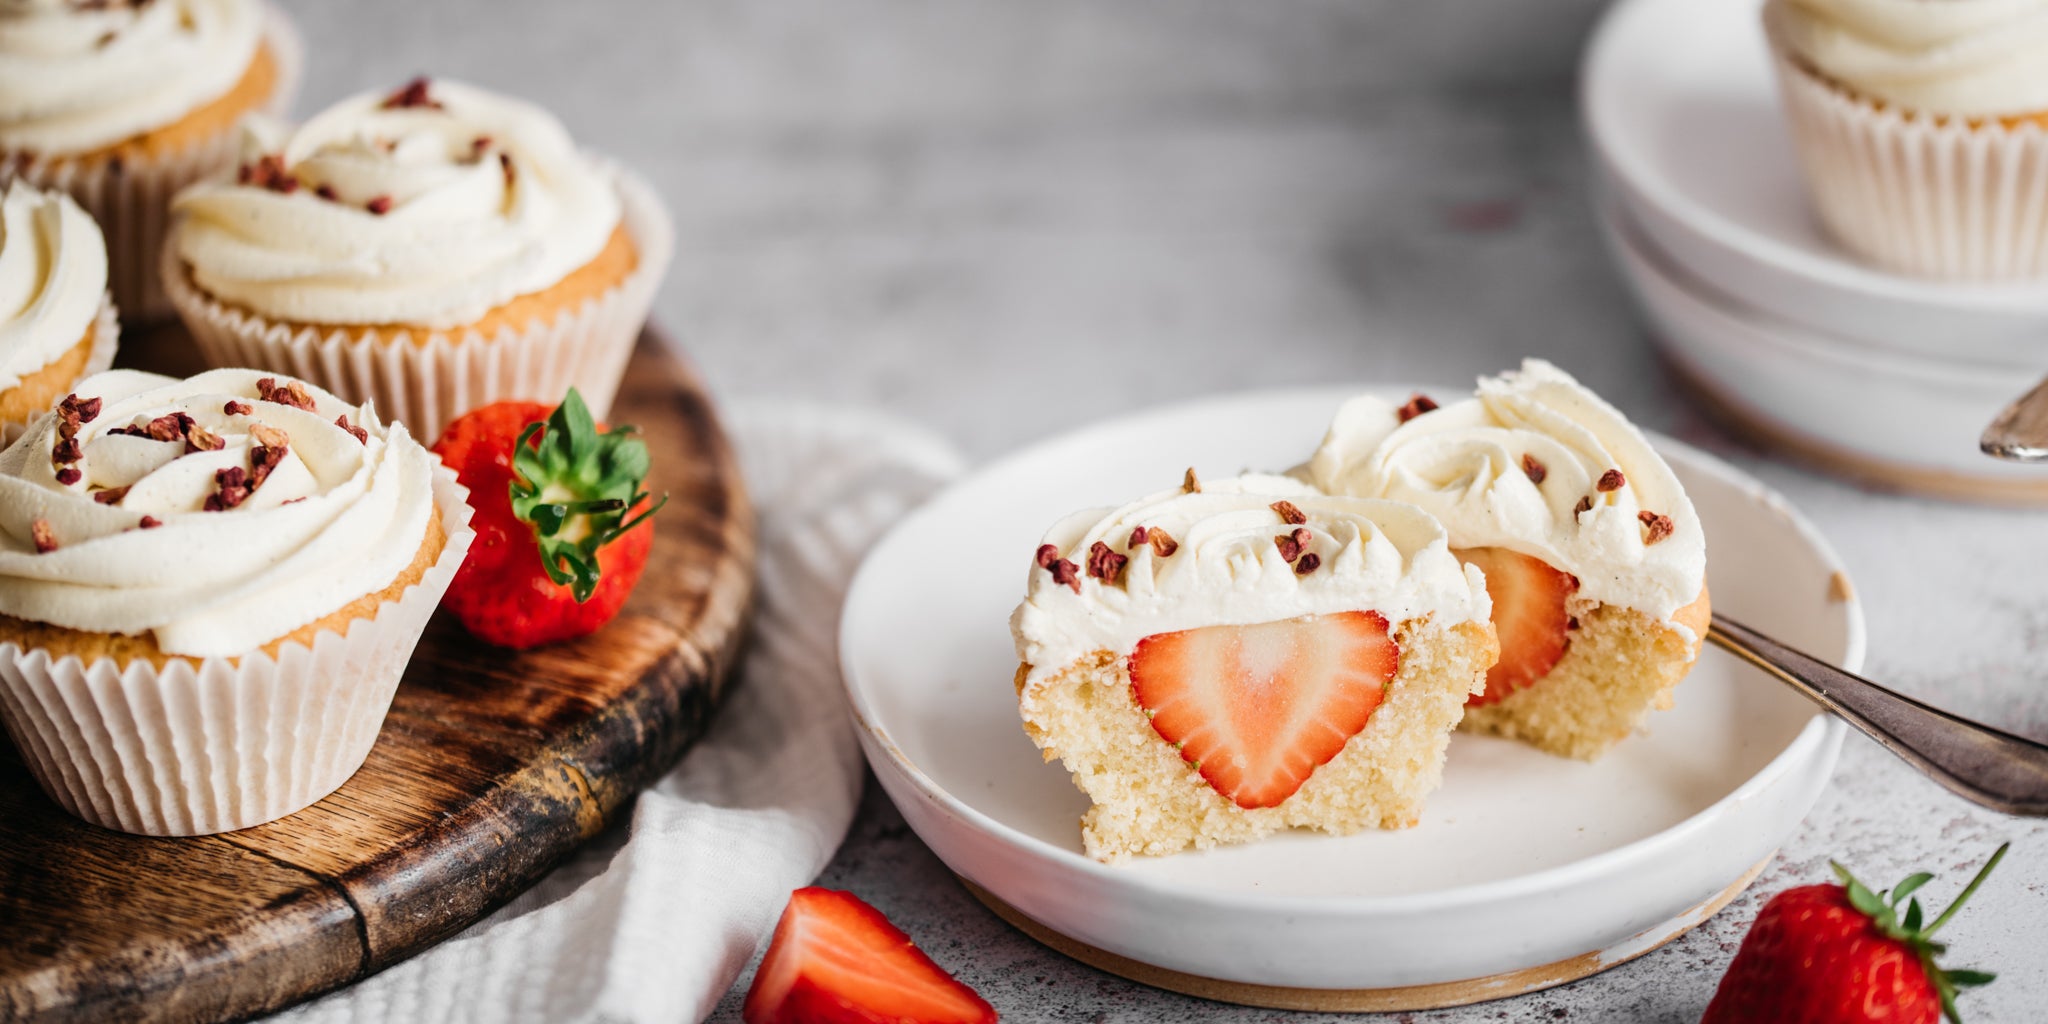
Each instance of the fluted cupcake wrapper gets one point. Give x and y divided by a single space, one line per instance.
426 384
1936 198
106 340
221 744
131 199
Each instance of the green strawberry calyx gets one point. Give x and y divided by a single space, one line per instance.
1882 907
575 487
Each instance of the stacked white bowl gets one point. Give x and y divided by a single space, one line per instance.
1882 377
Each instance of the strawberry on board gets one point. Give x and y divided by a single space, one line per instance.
836 960
1257 709
1837 954
562 528
1528 614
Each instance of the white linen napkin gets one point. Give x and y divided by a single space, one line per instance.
651 924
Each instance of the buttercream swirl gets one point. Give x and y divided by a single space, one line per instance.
78 77
1225 568
53 278
1475 466
426 207
335 518
1966 58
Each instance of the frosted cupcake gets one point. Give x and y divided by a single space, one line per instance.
121 104
432 249
1593 555
1922 126
57 324
209 589
1217 663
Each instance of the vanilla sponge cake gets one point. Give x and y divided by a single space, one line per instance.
1593 555
1216 663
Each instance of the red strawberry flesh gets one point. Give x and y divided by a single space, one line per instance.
835 959
1528 615
1257 709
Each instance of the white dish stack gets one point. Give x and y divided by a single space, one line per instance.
1885 378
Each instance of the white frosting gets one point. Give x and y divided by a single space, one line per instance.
1375 555
1463 464
75 78
461 235
53 277
208 583
1959 57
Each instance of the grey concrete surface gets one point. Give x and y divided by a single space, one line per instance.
1004 219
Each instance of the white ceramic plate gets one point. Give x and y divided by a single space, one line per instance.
1913 413
1683 115
1521 859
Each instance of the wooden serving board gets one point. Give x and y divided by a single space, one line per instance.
492 766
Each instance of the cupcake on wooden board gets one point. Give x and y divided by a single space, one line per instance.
1593 556
432 249
57 324
1922 126
1219 662
121 104
209 589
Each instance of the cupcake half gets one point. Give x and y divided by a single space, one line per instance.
1593 556
431 249
1217 663
209 589
57 324
121 105
1922 128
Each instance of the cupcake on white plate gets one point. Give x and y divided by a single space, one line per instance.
209 589
122 104
57 323
1594 558
433 249
1922 127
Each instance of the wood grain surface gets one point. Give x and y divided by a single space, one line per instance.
492 766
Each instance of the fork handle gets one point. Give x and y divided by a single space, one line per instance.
1989 766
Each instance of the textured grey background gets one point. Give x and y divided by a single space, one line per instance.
1007 219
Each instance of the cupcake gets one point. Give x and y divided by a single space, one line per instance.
431 249
209 589
1217 663
1593 556
122 104
57 324
1922 127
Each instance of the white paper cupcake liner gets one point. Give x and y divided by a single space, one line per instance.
132 200
425 385
217 746
106 340
1921 196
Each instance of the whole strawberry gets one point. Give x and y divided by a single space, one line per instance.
1835 954
561 520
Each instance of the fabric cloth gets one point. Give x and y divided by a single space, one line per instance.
651 923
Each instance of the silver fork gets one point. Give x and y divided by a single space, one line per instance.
1989 766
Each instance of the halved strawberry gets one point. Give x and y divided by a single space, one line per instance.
1528 614
1257 709
836 960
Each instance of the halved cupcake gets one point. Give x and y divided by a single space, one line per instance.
432 249
57 324
1592 553
1216 663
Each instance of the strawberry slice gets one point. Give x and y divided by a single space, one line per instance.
1528 614
1257 709
836 960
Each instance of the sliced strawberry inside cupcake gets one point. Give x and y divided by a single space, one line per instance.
1529 616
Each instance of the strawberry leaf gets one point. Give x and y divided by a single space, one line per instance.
1912 923
1909 886
574 485
1970 979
